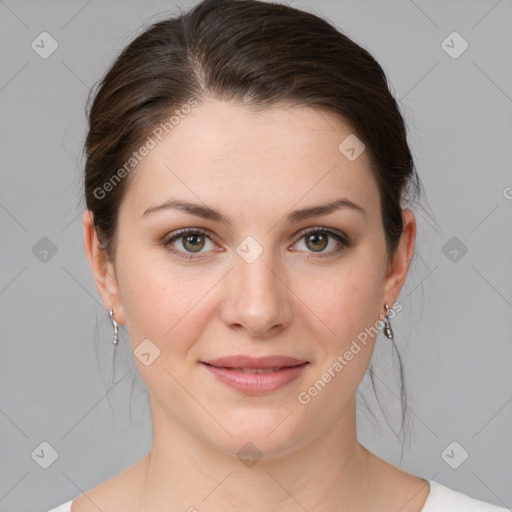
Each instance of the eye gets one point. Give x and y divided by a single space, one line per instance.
316 240
192 241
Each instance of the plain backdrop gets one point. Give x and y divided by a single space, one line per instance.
67 422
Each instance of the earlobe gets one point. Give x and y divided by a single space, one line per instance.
102 269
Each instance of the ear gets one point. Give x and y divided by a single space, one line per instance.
102 269
399 265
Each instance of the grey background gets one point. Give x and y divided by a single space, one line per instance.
454 333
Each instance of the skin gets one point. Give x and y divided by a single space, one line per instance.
254 168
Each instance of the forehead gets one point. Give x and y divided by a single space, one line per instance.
228 152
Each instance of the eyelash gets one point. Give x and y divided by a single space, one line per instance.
343 239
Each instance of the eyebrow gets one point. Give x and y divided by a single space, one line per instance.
293 217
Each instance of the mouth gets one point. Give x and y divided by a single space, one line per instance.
256 376
258 363
253 370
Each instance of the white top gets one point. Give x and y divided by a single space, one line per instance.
440 499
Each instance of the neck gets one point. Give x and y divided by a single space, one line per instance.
330 473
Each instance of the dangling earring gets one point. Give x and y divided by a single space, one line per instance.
116 329
388 332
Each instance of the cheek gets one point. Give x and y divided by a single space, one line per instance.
162 302
347 299
348 304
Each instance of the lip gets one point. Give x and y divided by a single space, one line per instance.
229 370
241 361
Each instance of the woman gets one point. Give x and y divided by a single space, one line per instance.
246 180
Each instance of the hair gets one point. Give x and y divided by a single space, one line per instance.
257 55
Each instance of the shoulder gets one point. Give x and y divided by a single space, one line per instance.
119 493
444 499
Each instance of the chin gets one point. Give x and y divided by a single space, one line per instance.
266 433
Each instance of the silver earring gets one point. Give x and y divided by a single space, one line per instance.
388 332
116 329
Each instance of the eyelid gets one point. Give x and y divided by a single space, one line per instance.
324 229
186 231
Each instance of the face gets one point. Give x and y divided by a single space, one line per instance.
252 276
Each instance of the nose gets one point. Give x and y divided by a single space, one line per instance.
257 297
